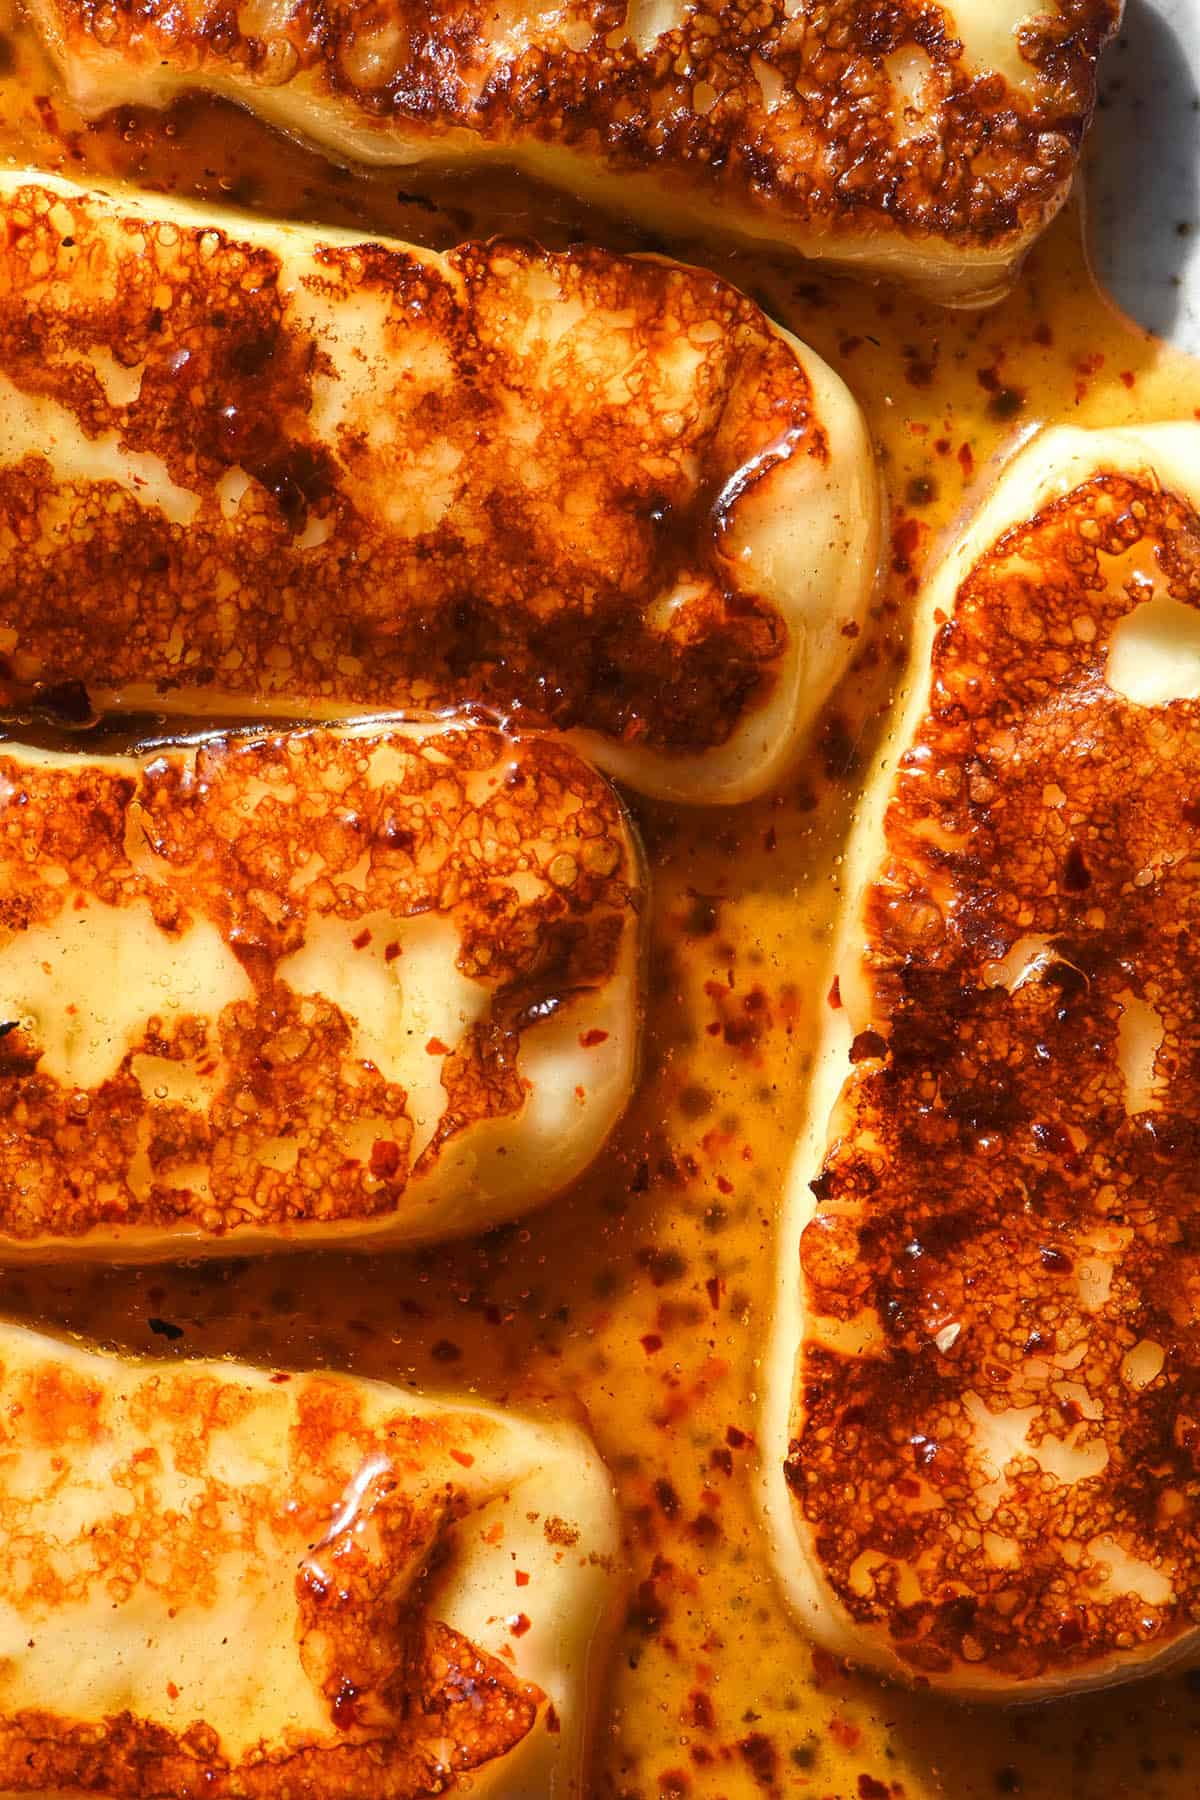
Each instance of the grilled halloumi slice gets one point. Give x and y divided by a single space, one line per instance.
983 1440
930 143
252 460
332 987
219 1580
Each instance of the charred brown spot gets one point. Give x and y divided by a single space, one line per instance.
1075 871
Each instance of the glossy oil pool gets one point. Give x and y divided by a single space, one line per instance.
640 1301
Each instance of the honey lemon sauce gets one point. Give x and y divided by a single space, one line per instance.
641 1300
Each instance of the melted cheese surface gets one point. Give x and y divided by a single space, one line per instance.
219 1579
926 142
318 987
978 1426
247 464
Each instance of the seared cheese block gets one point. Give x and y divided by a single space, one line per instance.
983 1434
310 472
322 988
216 1580
930 142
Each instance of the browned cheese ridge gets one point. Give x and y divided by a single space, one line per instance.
465 819
983 1161
789 112
414 1704
345 576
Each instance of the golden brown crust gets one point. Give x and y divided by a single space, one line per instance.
465 1709
1004 1481
491 496
515 843
791 112
412 1705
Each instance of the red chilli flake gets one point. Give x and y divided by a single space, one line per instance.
761 1757
466 1461
385 1159
589 1039
700 1711
522 1577
520 1625
906 542
435 1047
652 1343
363 938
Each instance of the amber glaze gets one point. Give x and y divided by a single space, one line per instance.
643 1296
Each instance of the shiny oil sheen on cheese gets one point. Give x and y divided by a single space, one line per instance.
983 1429
264 464
218 1580
930 142
313 988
